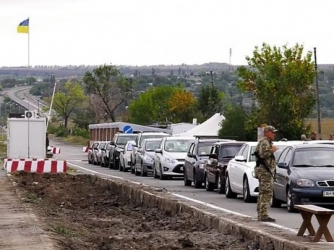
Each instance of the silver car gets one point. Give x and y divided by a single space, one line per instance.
145 155
170 158
125 156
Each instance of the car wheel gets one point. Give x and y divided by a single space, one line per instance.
162 177
111 164
155 175
228 191
187 182
142 172
221 184
208 185
289 202
124 168
197 184
245 191
120 166
89 160
275 202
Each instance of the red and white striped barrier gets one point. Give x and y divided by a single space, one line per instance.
36 165
56 150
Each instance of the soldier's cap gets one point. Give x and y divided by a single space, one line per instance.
270 128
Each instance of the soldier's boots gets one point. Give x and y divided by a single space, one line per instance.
267 219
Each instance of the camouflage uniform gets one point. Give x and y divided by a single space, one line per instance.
265 178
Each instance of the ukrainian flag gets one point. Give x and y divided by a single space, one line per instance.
23 27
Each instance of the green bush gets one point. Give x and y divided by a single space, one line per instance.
84 133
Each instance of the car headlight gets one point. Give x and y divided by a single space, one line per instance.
147 158
305 183
169 160
201 165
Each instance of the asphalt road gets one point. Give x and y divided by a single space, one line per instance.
76 159
16 95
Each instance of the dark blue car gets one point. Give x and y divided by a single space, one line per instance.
305 175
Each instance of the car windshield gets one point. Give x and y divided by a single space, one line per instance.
229 151
177 145
122 140
152 145
314 157
152 136
102 145
204 148
277 153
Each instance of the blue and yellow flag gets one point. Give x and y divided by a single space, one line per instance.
23 26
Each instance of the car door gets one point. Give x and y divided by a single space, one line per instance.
279 188
211 166
240 168
233 166
190 162
280 182
139 154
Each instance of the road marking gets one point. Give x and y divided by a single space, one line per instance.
109 175
190 199
211 206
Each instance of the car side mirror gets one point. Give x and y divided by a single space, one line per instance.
282 165
213 156
158 151
112 143
240 158
96 149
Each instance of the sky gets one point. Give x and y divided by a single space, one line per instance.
155 32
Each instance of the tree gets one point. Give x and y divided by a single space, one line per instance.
108 83
182 105
65 102
234 124
280 80
209 101
151 106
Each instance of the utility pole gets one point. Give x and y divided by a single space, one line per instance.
211 73
317 90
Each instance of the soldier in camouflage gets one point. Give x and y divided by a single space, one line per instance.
265 174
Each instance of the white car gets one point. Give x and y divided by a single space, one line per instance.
125 156
170 157
240 171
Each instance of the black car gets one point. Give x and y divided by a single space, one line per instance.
197 155
117 145
304 175
215 168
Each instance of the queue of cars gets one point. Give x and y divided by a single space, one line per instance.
304 169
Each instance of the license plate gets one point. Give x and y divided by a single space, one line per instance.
328 194
181 168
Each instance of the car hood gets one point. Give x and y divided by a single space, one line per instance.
314 173
176 155
150 154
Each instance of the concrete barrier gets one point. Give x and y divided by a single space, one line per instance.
35 165
56 150
266 236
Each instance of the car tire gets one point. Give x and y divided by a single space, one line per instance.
289 202
142 172
187 182
221 184
208 185
155 176
161 176
275 202
197 184
245 191
124 168
228 191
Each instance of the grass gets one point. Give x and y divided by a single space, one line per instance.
30 198
64 231
327 126
3 146
78 140
71 170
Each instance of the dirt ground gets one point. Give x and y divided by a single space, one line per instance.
81 215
